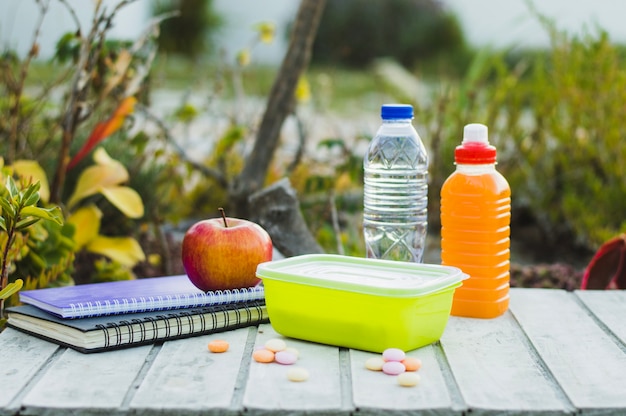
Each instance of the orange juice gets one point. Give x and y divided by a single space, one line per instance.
475 227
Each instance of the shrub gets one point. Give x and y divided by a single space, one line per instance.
566 162
189 32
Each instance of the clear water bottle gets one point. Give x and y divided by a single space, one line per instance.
395 192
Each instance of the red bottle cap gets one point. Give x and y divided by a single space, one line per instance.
475 148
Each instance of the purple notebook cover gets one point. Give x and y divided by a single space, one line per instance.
126 296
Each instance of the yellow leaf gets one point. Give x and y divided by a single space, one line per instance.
124 250
266 31
125 199
94 178
86 221
101 157
11 289
243 57
303 90
30 169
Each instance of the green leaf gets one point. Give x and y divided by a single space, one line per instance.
30 196
186 113
33 186
25 223
3 223
8 210
67 47
12 187
32 199
51 214
11 289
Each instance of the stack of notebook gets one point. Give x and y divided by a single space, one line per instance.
105 316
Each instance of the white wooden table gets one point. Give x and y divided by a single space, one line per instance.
553 352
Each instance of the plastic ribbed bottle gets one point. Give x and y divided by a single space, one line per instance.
475 227
395 191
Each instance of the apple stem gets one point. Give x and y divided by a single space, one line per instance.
223 216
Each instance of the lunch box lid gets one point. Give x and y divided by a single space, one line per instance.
362 275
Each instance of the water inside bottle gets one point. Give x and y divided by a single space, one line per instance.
395 200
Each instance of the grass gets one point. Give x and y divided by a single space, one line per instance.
335 89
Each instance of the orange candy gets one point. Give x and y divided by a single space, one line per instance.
218 345
412 363
263 356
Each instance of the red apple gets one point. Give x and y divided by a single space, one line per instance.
223 253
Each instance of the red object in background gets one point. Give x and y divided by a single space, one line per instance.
104 129
607 268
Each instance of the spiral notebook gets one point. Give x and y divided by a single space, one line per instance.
127 296
106 333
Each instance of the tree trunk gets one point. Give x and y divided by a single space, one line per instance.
280 103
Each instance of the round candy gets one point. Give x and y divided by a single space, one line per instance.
285 357
263 356
412 363
393 368
275 344
409 379
393 354
297 374
218 345
374 363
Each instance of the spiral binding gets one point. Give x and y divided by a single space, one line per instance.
157 303
182 324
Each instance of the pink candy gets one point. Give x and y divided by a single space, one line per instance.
393 354
394 362
285 357
393 368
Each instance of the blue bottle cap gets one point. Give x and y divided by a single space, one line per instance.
396 111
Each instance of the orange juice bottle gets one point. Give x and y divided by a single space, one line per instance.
475 227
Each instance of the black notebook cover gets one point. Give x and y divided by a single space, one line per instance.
120 331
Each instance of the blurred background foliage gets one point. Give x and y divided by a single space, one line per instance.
555 114
191 32
354 33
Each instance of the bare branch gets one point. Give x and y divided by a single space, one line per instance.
169 138
72 12
81 82
18 87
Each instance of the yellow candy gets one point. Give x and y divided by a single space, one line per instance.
297 374
375 363
408 379
275 344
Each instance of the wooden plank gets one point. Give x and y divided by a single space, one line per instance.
268 391
185 377
588 364
377 393
609 306
21 357
495 370
86 383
